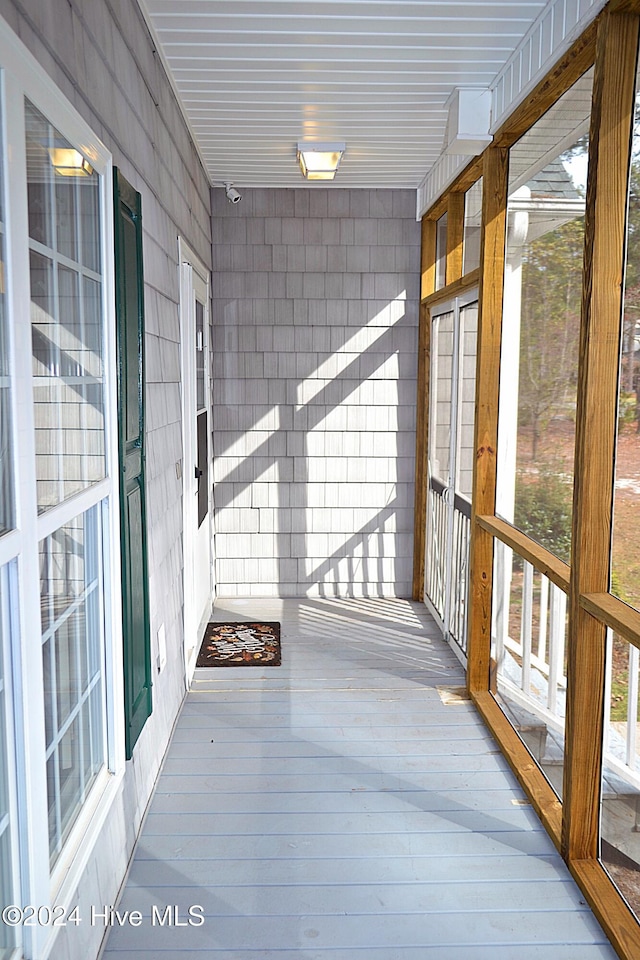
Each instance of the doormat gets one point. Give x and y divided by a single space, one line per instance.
240 645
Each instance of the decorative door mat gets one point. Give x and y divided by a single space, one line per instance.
240 645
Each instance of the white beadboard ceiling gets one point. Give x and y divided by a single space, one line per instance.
257 76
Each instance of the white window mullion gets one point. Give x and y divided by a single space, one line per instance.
111 598
10 822
52 520
27 656
9 546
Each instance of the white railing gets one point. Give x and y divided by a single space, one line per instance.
530 644
447 581
459 592
530 631
620 737
437 547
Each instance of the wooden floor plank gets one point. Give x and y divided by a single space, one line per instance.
328 765
424 952
460 801
360 781
477 869
361 845
241 932
390 821
373 898
459 745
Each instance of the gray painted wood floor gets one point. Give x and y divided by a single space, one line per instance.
336 808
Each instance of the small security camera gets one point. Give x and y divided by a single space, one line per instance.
232 194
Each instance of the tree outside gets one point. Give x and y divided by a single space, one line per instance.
551 294
549 336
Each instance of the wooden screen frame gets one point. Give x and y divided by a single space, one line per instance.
610 43
455 284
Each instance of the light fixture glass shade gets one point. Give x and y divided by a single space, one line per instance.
319 161
68 162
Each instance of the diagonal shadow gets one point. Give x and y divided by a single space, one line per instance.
312 413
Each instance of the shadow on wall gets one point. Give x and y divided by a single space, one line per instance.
314 405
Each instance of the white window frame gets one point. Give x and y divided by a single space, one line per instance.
8 578
22 77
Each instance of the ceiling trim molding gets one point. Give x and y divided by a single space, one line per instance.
157 46
550 36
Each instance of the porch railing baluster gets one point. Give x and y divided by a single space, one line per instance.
632 705
526 625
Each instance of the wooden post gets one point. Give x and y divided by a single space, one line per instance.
428 259
494 212
596 414
427 286
455 236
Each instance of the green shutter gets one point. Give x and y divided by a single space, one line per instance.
133 525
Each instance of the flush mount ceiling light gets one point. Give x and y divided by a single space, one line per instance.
68 162
319 161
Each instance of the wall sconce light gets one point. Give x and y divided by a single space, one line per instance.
319 161
68 162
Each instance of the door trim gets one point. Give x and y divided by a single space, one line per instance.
189 263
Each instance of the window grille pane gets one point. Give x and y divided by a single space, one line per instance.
7 893
66 314
441 252
6 473
467 399
472 224
7 934
620 785
200 356
442 339
71 581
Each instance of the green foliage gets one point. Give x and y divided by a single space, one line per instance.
632 274
551 294
616 588
626 408
543 510
619 699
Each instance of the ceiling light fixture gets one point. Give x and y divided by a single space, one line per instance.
319 161
68 162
